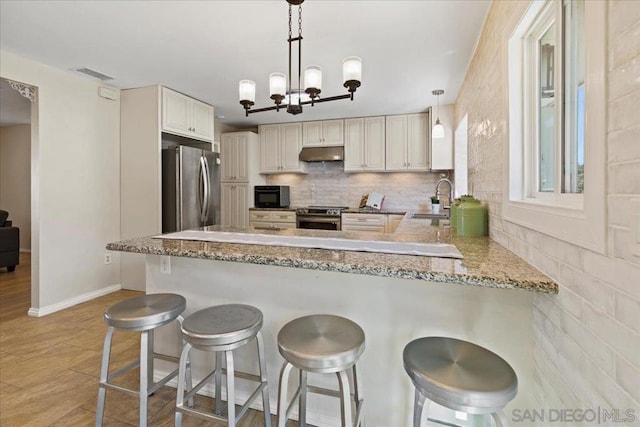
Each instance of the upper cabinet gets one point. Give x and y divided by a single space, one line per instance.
407 139
442 148
238 156
364 144
280 146
185 116
323 133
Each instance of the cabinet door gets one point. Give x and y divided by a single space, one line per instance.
417 142
269 148
241 213
396 132
241 159
176 112
393 221
228 158
374 143
227 204
312 134
333 132
291 144
354 145
201 120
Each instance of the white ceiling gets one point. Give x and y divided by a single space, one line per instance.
15 109
203 48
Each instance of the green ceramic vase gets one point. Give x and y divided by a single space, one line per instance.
472 218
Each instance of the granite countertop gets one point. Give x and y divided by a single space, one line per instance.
486 263
375 211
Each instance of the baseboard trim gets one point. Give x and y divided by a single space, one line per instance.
43 311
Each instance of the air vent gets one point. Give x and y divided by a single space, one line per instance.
93 73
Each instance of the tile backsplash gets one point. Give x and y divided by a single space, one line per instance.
327 184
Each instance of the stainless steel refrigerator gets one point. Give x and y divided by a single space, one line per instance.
190 188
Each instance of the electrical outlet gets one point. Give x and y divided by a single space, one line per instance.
107 258
165 264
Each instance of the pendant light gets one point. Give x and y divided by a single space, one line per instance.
438 129
282 92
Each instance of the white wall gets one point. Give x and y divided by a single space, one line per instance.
15 178
75 187
587 338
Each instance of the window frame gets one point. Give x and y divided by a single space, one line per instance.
578 218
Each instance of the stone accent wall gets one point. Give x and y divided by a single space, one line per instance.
326 184
587 338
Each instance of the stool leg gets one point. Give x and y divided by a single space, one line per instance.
262 361
282 393
144 362
345 399
302 408
358 398
418 405
182 374
149 359
104 375
218 382
188 377
231 401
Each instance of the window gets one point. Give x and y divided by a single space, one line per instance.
557 109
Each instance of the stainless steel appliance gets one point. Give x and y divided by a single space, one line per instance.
190 188
271 196
320 217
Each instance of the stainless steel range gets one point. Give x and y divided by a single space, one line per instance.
319 217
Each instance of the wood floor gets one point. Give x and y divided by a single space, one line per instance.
49 366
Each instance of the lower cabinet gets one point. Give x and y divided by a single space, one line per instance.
234 202
380 223
272 219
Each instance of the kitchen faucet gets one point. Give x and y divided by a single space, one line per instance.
443 179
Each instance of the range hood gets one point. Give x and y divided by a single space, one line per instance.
322 154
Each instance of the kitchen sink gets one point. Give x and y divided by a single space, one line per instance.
428 216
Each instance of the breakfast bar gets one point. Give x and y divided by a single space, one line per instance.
485 298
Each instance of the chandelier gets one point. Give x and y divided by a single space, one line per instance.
283 93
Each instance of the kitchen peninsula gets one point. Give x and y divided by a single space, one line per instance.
395 298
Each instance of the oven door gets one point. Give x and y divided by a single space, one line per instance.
318 222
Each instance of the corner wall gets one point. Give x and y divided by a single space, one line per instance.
15 178
75 183
587 338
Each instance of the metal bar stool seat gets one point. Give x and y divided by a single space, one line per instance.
321 343
221 329
141 314
460 376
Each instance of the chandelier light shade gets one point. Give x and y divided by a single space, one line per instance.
438 129
281 90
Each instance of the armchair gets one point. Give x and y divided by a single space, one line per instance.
9 243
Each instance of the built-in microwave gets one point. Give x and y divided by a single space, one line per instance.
271 196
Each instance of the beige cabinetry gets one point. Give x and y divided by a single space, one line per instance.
323 133
380 223
272 219
364 144
239 173
234 204
185 116
441 152
280 145
407 139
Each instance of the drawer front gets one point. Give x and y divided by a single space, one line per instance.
265 225
363 227
283 216
364 219
260 216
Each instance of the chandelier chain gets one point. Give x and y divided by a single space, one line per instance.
289 21
300 20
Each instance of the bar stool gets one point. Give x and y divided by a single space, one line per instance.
460 376
324 344
221 329
141 314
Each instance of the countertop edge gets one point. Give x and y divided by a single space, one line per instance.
549 287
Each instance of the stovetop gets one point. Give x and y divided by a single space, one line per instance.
321 210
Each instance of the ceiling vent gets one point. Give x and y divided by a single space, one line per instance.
94 74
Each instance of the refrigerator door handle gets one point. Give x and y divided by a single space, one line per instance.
204 179
207 180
